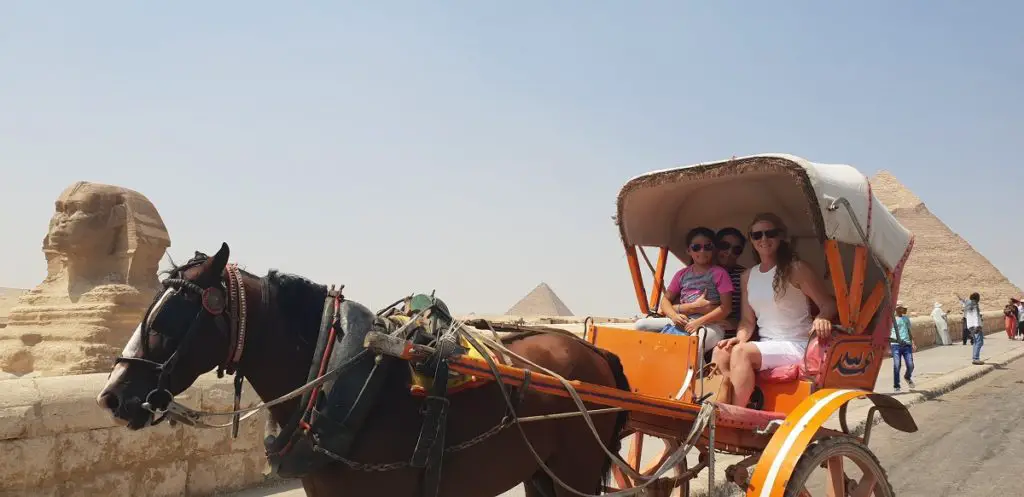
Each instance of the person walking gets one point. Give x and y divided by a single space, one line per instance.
902 347
972 318
941 325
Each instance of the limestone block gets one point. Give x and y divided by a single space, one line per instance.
18 392
27 462
68 403
224 473
104 484
16 421
163 481
48 491
162 442
84 452
202 477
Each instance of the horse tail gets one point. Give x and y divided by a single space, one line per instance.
621 417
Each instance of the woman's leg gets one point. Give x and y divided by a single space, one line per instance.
744 363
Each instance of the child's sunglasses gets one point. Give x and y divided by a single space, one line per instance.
772 233
696 247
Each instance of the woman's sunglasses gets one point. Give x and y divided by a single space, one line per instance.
736 249
772 233
696 247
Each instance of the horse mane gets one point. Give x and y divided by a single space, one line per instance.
300 300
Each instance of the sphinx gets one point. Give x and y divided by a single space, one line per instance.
102 249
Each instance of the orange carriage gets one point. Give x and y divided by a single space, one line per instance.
850 239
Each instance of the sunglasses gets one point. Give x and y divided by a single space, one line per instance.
772 233
736 249
696 247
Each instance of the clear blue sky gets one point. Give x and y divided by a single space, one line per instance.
477 148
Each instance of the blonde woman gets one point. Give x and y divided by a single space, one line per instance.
774 298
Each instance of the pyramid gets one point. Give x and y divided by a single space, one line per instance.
941 263
541 301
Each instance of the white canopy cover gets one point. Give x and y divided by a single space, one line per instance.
658 208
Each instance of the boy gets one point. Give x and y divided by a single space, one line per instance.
972 317
901 344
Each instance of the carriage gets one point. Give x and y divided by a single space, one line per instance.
652 385
848 237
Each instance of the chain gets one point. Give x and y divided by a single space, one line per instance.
379 467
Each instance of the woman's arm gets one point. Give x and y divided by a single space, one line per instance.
808 282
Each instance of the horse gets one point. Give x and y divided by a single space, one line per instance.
271 335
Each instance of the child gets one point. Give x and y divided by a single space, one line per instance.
901 344
684 315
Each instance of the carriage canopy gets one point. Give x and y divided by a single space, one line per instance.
656 209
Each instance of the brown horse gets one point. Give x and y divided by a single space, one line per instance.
183 336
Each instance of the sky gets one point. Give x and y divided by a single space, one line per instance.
476 148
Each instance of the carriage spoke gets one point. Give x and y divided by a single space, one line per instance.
865 487
836 477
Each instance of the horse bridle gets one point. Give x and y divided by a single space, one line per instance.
214 300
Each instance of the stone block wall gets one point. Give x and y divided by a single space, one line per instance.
925 336
55 441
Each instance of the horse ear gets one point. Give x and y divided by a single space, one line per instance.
220 259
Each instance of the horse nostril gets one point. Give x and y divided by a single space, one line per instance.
108 401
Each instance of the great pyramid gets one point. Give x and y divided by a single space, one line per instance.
541 301
941 261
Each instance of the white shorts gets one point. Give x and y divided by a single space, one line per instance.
778 353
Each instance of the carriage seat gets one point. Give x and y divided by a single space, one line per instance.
814 357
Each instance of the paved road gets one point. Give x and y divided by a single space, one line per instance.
968 444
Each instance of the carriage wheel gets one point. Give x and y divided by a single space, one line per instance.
664 486
825 470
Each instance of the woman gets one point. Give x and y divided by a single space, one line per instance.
774 298
1010 320
694 289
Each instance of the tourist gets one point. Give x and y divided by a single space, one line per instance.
1010 320
902 347
776 294
972 319
700 278
730 244
941 325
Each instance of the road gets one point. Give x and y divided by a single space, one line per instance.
968 443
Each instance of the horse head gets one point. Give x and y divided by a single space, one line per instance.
194 325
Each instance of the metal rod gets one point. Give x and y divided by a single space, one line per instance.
563 415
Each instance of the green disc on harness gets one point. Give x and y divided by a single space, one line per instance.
422 301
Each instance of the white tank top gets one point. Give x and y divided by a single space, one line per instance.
788 318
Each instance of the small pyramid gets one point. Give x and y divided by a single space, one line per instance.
541 301
942 262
